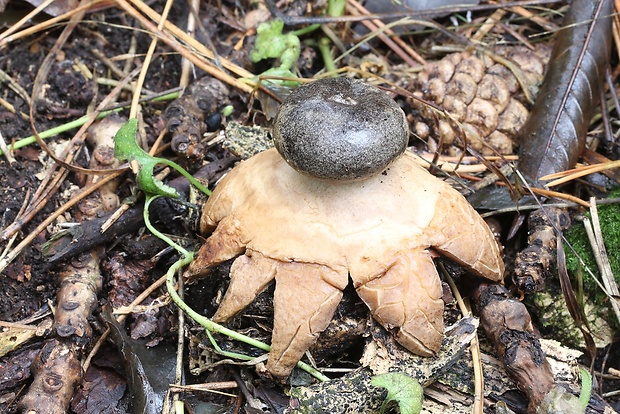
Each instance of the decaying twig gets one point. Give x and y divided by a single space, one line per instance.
534 264
353 392
507 323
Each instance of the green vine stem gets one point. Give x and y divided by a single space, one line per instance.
208 324
185 174
324 45
159 234
20 143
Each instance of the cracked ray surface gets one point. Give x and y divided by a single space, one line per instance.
310 235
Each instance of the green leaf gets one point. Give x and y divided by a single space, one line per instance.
126 148
586 388
336 7
401 388
271 43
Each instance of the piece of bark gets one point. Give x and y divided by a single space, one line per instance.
128 277
15 367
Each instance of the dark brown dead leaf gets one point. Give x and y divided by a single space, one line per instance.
15 367
57 7
100 393
128 277
554 134
149 371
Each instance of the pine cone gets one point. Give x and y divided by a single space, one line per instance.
483 96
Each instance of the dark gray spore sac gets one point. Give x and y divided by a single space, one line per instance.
340 128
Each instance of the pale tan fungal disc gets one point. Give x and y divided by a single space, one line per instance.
311 235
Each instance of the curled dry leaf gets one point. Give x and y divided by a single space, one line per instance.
554 135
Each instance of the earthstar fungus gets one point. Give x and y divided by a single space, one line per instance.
311 231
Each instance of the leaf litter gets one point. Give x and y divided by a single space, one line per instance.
29 280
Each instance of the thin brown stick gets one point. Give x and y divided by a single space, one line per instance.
602 259
616 31
16 87
183 36
186 67
49 186
555 194
488 25
9 244
200 48
6 38
5 150
394 43
36 205
542 22
15 27
133 111
50 219
206 386
78 139
474 345
575 173
562 196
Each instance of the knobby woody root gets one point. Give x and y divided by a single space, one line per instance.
196 112
534 264
508 325
57 370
